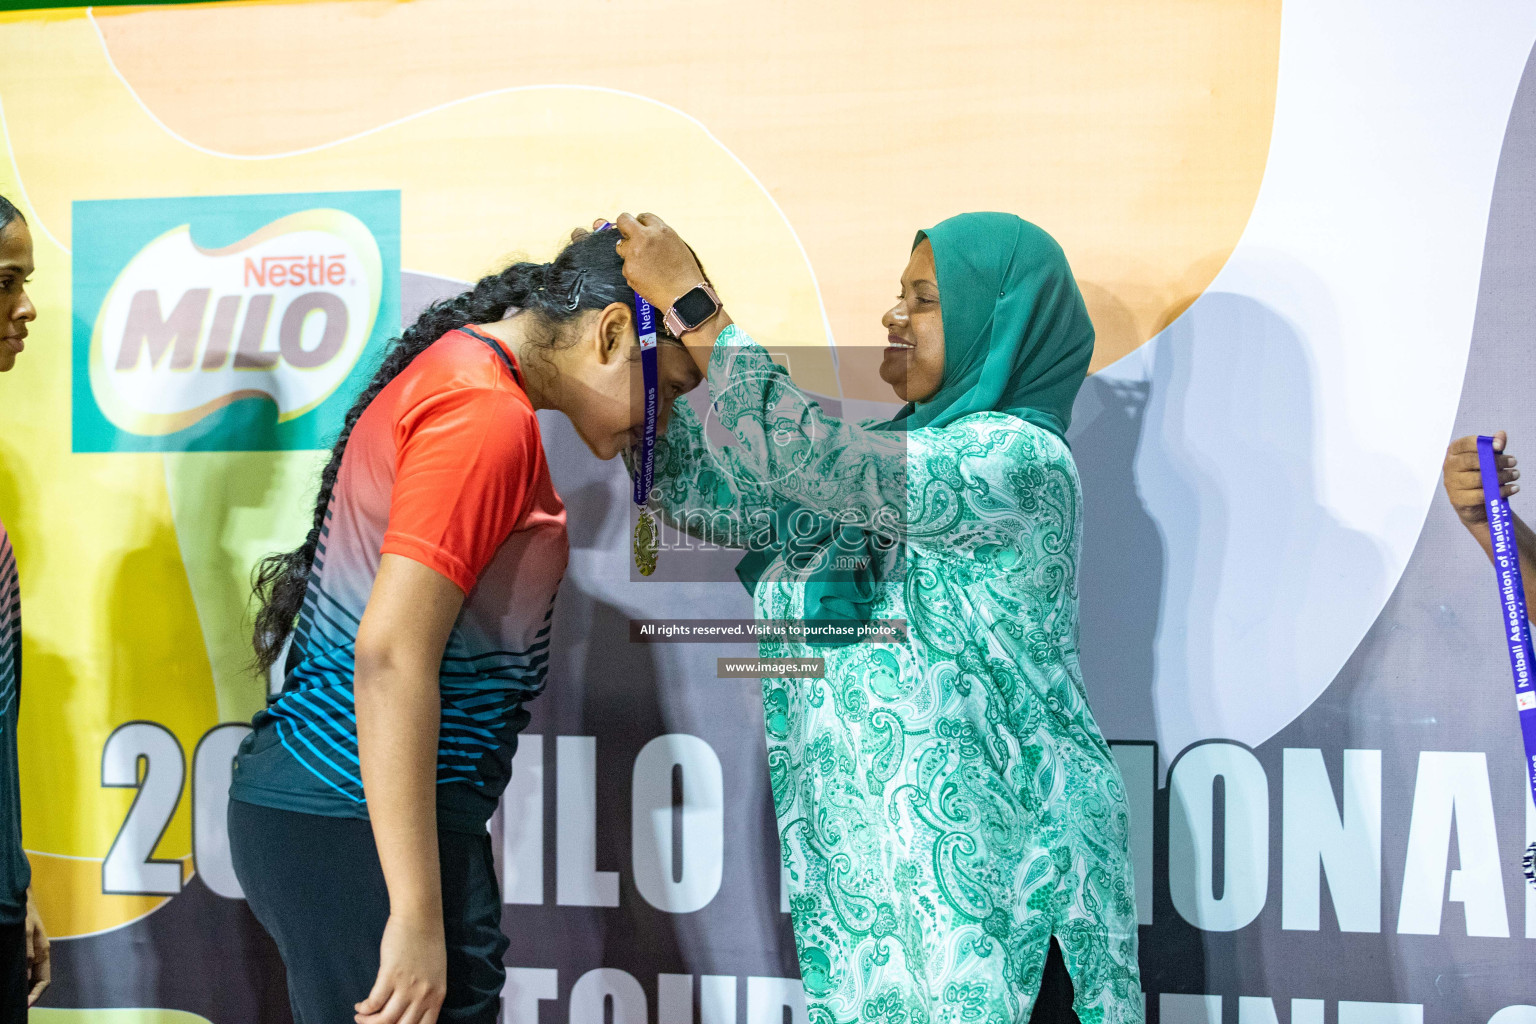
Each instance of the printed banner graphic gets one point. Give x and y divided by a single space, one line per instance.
228 323
1303 233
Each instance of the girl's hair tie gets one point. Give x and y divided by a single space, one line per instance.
572 303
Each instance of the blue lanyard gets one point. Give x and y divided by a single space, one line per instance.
645 328
1517 629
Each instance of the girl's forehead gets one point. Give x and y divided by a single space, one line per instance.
16 247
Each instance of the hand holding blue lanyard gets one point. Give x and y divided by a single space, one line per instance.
1517 629
645 529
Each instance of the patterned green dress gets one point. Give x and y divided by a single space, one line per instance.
947 804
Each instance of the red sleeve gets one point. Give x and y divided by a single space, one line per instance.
464 466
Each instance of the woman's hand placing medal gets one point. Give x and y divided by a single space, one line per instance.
662 267
658 264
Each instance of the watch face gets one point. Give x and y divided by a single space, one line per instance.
695 307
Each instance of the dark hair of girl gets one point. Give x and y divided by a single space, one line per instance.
8 213
588 274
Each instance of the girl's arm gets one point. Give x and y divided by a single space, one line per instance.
464 461
400 643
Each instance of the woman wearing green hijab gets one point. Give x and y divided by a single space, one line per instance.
949 815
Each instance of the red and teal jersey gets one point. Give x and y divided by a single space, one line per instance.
15 875
445 467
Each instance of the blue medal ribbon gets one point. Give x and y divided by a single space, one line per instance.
1517 628
645 328
645 465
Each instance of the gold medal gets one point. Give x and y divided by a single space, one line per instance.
645 543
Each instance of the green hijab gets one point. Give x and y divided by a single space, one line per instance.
1017 340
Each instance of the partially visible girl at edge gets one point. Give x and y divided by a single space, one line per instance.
952 824
419 613
26 963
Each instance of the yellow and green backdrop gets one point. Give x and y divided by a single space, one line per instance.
1280 217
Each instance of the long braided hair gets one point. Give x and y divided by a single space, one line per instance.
588 274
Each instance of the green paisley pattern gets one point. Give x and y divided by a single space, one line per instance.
945 805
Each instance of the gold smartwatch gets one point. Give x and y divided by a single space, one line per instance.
692 309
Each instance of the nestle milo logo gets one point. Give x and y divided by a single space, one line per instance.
230 322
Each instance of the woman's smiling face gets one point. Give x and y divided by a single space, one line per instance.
914 357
